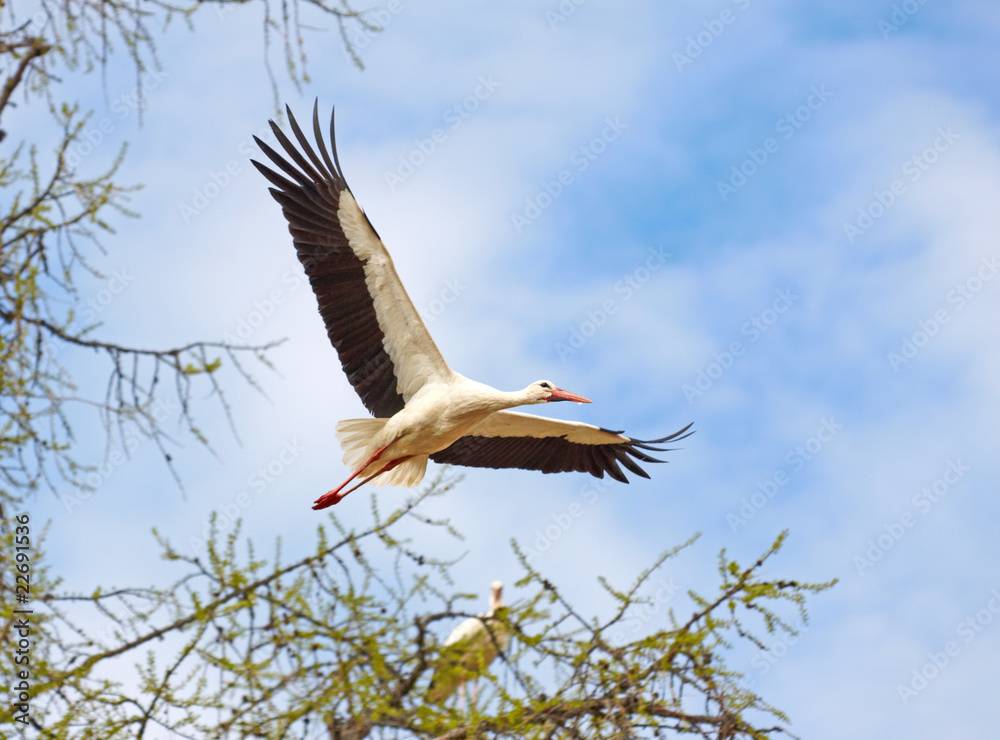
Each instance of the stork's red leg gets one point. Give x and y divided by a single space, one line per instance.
389 466
332 497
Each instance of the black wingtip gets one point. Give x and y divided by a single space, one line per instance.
675 437
634 449
273 177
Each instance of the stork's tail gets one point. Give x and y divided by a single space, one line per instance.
357 440
356 436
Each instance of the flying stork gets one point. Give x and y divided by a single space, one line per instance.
423 409
469 650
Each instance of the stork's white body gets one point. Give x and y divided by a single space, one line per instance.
469 649
441 413
424 409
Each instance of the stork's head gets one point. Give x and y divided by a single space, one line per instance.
495 588
543 391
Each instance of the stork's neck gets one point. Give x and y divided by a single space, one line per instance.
510 399
480 398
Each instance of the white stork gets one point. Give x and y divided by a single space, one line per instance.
424 409
469 650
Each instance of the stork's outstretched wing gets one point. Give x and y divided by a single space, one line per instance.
510 439
384 346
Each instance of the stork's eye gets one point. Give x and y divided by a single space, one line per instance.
545 385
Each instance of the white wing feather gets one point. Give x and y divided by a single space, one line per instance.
414 354
517 424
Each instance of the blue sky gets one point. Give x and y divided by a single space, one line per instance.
784 231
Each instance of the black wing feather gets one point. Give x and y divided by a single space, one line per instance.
555 454
310 198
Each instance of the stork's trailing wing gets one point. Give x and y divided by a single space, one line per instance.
511 439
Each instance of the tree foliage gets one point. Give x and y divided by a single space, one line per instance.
342 643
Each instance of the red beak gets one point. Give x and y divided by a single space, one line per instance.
560 395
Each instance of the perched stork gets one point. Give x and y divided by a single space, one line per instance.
424 409
469 650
